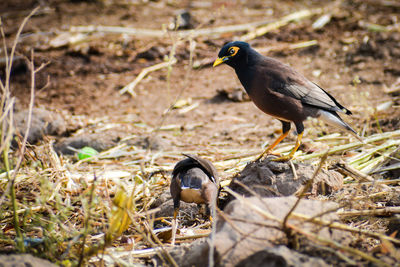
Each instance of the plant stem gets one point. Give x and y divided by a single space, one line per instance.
85 233
19 237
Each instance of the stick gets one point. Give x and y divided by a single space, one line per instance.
196 236
211 240
264 27
188 33
336 245
374 212
344 227
371 139
303 192
131 86
287 46
116 29
302 14
5 152
163 33
356 174
394 181
86 222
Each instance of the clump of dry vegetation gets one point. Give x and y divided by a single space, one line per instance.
99 209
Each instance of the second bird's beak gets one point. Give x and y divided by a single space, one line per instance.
219 60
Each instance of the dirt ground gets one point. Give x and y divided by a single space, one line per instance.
356 58
354 64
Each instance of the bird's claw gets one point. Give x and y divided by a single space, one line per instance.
283 158
267 153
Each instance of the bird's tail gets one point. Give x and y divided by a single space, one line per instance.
335 120
191 181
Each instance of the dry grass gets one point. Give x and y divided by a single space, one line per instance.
63 204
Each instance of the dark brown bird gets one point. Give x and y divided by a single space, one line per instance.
281 92
194 180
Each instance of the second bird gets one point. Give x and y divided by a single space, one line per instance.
194 180
281 92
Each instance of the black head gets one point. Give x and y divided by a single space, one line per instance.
233 53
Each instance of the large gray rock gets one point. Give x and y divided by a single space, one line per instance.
270 179
245 237
23 260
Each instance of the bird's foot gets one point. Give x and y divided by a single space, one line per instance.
283 158
267 153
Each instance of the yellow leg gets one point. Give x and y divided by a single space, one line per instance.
273 145
291 154
174 226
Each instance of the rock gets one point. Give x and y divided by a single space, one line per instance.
231 94
43 123
245 238
152 53
164 197
23 260
19 66
280 256
197 255
188 212
99 141
270 179
394 226
154 143
183 20
167 209
237 246
394 198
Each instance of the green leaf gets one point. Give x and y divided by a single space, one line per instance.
87 152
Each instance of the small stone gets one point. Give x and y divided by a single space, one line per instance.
98 141
43 123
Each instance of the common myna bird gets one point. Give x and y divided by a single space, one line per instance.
281 92
194 180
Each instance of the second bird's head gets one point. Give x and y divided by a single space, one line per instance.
233 54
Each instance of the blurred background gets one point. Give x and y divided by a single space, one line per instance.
349 48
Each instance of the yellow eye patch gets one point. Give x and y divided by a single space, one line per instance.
233 51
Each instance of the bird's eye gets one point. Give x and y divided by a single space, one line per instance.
233 51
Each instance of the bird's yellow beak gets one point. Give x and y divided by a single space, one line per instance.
219 61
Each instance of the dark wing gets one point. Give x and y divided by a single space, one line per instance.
289 82
182 165
343 109
205 165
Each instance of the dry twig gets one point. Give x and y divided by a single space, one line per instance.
356 174
131 86
387 211
280 23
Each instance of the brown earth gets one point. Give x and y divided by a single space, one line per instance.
353 64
